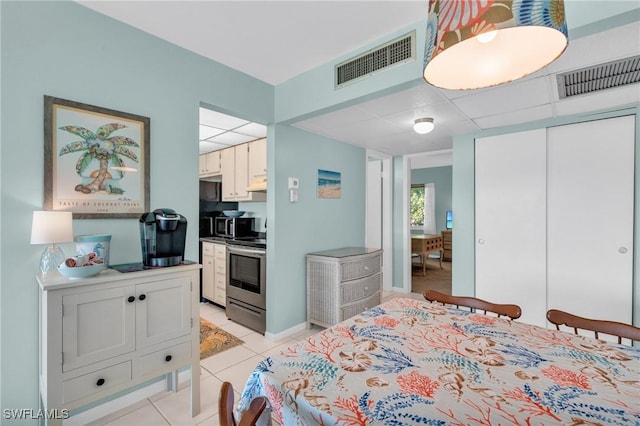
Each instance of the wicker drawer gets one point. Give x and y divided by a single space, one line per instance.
348 311
354 269
354 291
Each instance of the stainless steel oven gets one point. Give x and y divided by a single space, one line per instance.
246 285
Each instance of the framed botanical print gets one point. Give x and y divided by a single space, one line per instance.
96 160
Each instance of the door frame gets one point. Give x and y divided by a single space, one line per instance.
387 215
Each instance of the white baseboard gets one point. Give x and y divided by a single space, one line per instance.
286 333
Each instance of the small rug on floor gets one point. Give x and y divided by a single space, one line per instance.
214 340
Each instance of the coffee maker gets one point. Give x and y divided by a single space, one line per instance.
163 234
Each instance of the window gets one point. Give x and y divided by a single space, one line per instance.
417 206
422 208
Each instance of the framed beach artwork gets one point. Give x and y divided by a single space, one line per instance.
329 184
96 160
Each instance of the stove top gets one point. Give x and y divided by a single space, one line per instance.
250 242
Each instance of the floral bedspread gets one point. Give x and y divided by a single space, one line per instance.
409 362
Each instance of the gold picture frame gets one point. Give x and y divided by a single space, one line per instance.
96 160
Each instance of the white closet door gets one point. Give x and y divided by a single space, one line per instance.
590 218
510 221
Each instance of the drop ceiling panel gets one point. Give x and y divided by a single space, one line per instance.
207 132
416 97
230 138
219 120
253 129
205 147
505 98
539 112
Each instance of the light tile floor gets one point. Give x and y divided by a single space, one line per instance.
233 365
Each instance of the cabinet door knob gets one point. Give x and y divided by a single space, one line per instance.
100 382
142 297
131 299
167 358
622 250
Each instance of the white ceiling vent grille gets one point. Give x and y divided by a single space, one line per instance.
394 52
599 77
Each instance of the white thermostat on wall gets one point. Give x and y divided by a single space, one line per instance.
293 183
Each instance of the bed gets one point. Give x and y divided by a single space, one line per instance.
408 362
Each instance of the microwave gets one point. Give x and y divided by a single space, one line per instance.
234 227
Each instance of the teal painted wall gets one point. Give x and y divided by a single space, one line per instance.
65 50
310 224
441 177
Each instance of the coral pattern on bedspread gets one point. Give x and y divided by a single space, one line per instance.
410 362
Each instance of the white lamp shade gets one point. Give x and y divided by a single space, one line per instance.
49 227
423 125
523 37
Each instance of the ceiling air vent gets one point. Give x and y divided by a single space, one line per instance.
599 77
394 52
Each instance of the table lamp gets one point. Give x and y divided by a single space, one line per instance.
51 228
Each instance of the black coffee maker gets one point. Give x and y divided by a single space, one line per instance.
163 234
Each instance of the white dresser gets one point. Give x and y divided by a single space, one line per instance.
107 333
342 283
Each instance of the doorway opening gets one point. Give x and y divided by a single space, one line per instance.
429 210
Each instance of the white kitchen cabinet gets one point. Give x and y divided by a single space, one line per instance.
235 175
105 334
210 164
554 219
214 272
342 283
208 271
220 275
257 158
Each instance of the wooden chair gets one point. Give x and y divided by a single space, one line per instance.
512 311
225 408
612 328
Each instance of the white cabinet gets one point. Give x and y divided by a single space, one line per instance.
342 283
214 272
257 158
554 219
210 164
104 334
220 275
235 175
208 271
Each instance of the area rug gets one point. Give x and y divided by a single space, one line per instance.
214 340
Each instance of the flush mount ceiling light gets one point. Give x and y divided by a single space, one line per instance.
423 125
479 43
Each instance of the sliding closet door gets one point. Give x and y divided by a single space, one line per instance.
510 221
590 218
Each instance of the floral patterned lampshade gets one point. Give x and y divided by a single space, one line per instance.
481 43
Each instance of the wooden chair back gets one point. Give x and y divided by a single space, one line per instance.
612 328
509 310
225 408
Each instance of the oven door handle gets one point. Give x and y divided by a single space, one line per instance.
236 249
